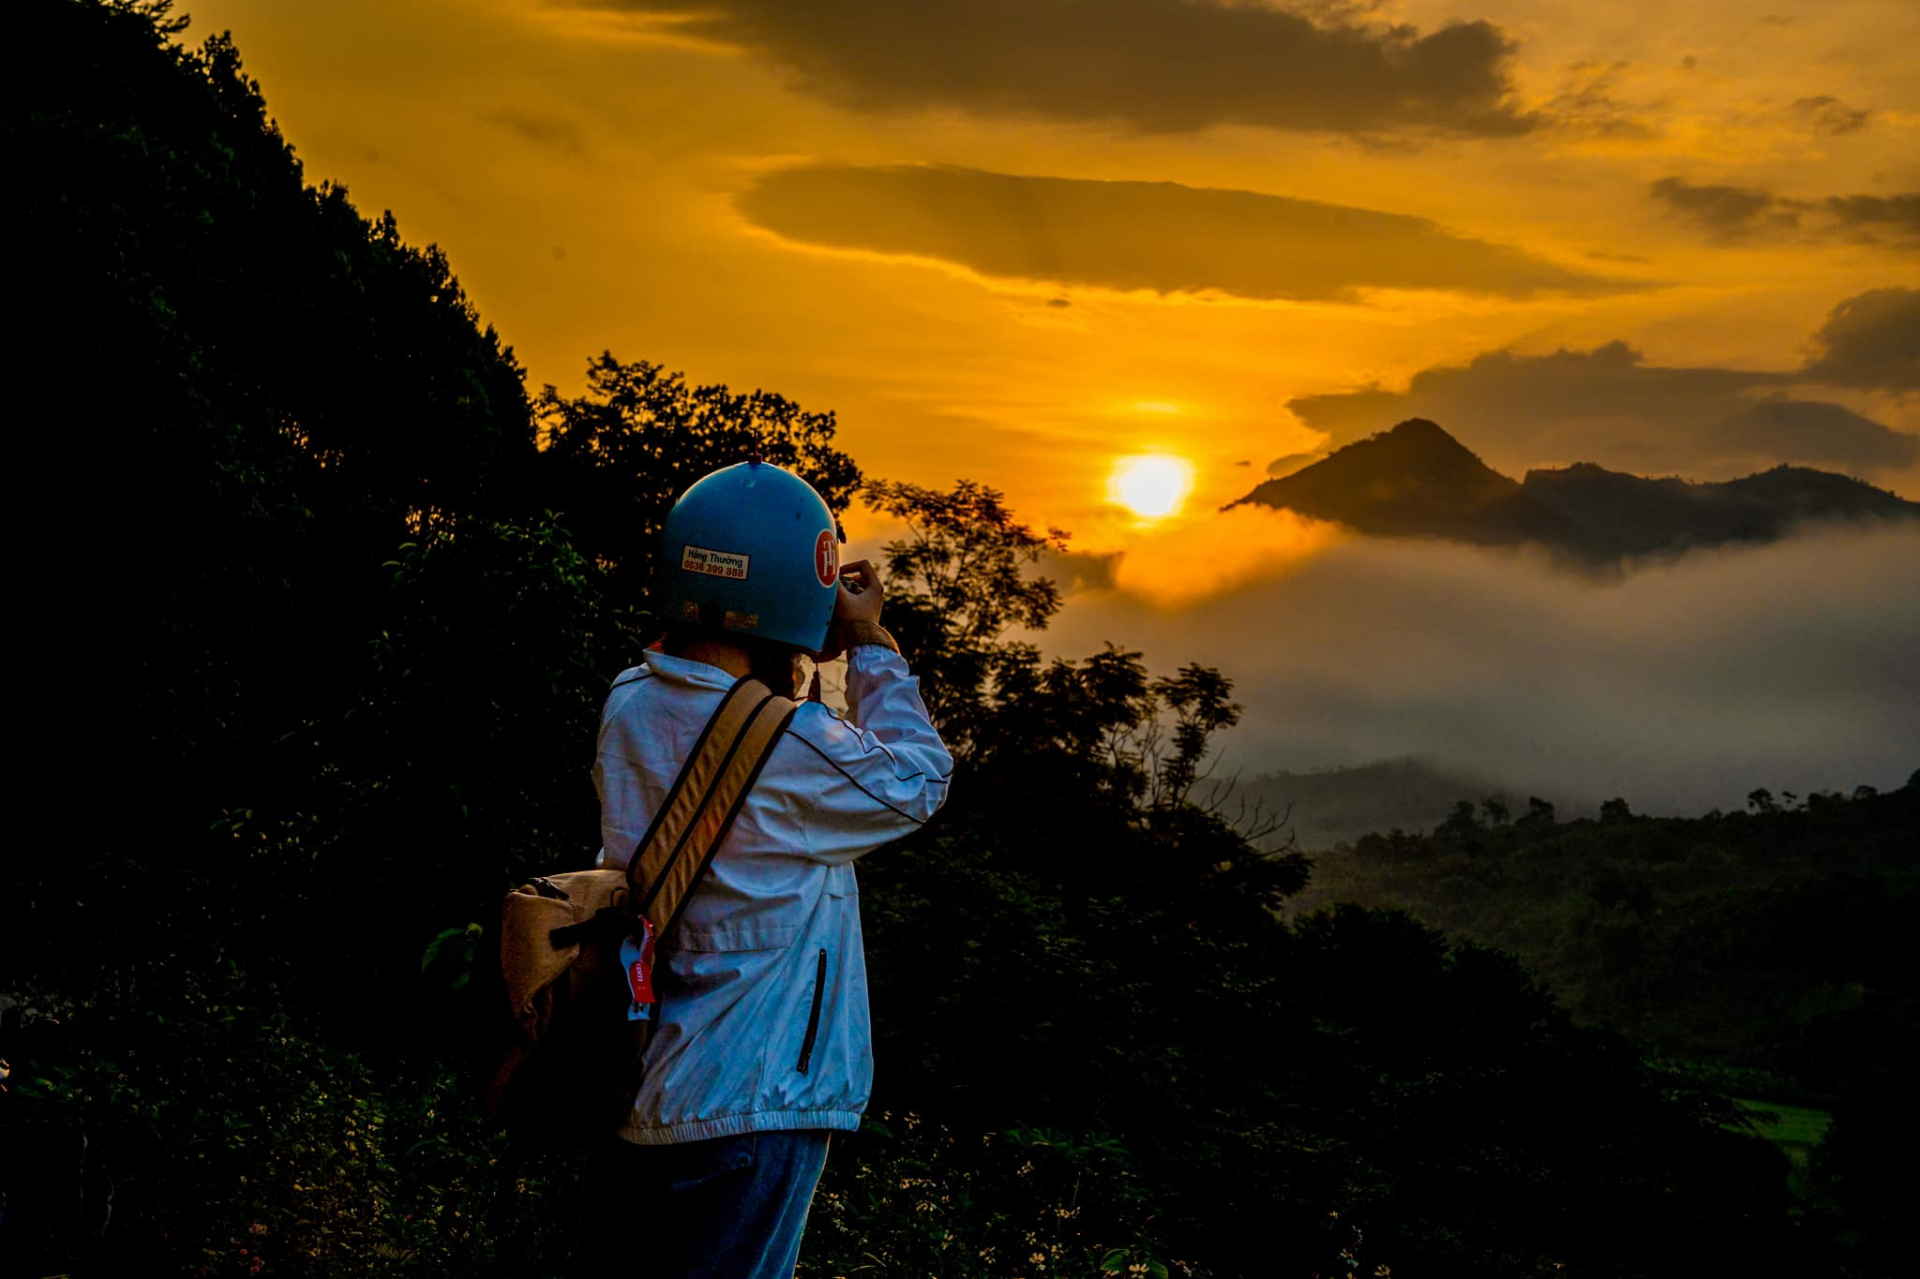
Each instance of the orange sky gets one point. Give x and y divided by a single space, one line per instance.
1019 240
1015 241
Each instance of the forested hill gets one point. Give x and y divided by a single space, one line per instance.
327 604
1777 938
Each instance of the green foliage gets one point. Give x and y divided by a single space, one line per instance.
1729 936
1760 954
215 1138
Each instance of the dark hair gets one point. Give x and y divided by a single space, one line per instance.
773 665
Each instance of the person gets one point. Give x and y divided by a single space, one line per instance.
762 1047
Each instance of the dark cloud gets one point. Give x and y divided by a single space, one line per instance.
1872 340
1775 426
546 131
1682 686
1139 235
1075 572
1872 216
1830 115
1608 406
1152 65
1730 213
1727 212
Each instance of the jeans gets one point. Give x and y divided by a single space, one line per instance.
725 1208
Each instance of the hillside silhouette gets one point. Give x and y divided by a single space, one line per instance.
1416 480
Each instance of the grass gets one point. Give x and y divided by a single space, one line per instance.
1796 1130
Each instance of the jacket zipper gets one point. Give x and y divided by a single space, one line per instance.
813 1018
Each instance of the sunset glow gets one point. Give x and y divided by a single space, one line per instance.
1127 265
975 264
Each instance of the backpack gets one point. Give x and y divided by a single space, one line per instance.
582 1006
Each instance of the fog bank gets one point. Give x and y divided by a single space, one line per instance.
1794 666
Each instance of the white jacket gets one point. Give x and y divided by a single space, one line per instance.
763 1015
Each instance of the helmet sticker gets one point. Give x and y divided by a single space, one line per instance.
826 558
698 559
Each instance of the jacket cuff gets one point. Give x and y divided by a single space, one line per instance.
852 634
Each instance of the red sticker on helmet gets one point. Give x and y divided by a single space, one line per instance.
826 558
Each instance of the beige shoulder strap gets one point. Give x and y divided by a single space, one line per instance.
704 800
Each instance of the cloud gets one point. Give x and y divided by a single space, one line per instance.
1609 406
1868 217
1287 465
1138 235
1587 104
1774 426
1075 572
1682 687
1830 115
1176 564
1872 340
1148 65
1729 213
547 131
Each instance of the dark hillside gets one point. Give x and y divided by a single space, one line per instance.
1673 514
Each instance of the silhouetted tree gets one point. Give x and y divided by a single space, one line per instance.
957 582
1539 813
617 456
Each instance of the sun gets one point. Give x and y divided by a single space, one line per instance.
1151 486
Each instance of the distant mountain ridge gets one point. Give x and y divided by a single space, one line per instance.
1337 806
1416 480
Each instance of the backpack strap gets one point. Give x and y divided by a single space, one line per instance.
705 798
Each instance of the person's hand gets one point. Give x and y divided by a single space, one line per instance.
861 595
856 612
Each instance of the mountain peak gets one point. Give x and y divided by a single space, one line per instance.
1421 449
1421 436
1416 480
1417 428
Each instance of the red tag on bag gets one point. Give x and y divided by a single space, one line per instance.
636 957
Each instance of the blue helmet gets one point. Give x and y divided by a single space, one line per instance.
751 550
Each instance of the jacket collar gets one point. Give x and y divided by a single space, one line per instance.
685 671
